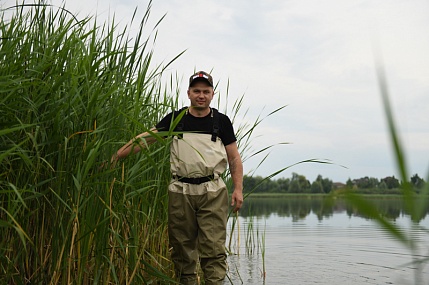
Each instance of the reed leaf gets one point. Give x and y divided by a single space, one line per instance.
414 202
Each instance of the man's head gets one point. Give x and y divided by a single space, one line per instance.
201 76
200 91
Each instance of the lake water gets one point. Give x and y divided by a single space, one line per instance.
310 241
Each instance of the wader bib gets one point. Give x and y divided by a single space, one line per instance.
198 206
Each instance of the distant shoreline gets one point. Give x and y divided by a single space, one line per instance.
315 195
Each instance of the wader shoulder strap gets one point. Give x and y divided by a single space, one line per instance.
215 132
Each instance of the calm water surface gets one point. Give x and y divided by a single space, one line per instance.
316 243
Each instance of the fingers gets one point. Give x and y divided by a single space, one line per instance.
237 202
238 205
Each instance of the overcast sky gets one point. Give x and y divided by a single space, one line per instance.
316 57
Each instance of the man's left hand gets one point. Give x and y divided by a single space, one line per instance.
237 200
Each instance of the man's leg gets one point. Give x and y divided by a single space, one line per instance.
182 230
212 219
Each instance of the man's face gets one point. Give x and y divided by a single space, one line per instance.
200 95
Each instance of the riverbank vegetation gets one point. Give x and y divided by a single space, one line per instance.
71 93
300 184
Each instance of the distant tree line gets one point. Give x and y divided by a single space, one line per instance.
300 184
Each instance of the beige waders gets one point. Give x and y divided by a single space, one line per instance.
198 210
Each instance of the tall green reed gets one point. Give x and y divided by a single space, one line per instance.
415 201
72 92
264 270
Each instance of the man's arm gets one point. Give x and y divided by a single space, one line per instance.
135 145
236 169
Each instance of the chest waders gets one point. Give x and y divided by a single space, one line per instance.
198 205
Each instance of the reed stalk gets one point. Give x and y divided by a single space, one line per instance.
264 272
415 202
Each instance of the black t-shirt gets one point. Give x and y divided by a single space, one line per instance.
201 125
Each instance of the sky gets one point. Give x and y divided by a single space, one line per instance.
317 58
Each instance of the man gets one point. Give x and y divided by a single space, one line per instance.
198 198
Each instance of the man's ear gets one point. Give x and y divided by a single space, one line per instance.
188 93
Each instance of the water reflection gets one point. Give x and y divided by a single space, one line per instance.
299 207
317 240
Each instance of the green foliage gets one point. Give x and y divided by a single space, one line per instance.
390 182
71 92
299 184
316 187
417 182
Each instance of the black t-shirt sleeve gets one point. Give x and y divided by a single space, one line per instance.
168 120
164 124
226 130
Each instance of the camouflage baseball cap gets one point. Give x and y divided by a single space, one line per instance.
201 75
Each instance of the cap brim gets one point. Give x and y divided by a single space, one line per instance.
200 79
